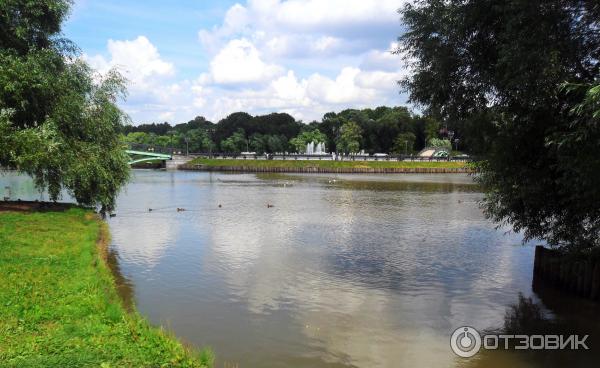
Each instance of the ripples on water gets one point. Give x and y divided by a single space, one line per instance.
344 271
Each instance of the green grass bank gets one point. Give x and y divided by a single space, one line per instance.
325 166
58 301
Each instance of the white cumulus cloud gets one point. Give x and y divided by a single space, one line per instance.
138 59
304 57
239 62
152 90
310 25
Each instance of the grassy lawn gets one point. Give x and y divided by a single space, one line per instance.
58 303
327 164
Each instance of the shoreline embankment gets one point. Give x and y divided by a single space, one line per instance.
327 166
61 305
321 170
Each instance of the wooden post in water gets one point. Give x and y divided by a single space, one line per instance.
578 276
573 281
563 273
537 260
595 292
587 278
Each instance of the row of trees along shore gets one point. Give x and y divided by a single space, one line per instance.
383 129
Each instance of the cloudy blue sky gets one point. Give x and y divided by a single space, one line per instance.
212 58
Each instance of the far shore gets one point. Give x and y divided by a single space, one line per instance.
328 166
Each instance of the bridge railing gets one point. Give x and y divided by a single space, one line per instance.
155 149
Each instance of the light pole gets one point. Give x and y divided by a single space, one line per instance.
187 145
210 146
171 133
336 132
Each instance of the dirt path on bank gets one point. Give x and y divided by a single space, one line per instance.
31 206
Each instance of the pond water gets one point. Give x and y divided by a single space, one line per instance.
324 270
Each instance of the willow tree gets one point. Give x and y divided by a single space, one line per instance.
519 76
59 121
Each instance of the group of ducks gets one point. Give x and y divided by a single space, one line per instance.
179 209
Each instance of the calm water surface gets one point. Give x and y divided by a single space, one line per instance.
343 271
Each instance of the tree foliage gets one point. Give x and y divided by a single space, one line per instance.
440 143
58 121
281 133
299 143
350 137
496 68
236 143
404 143
379 126
268 143
154 128
276 124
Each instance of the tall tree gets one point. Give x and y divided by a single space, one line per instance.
275 124
497 68
235 143
350 137
154 128
230 125
57 123
199 122
404 143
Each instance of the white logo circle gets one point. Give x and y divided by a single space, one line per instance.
465 341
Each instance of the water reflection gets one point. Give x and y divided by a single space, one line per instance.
547 313
124 286
344 270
